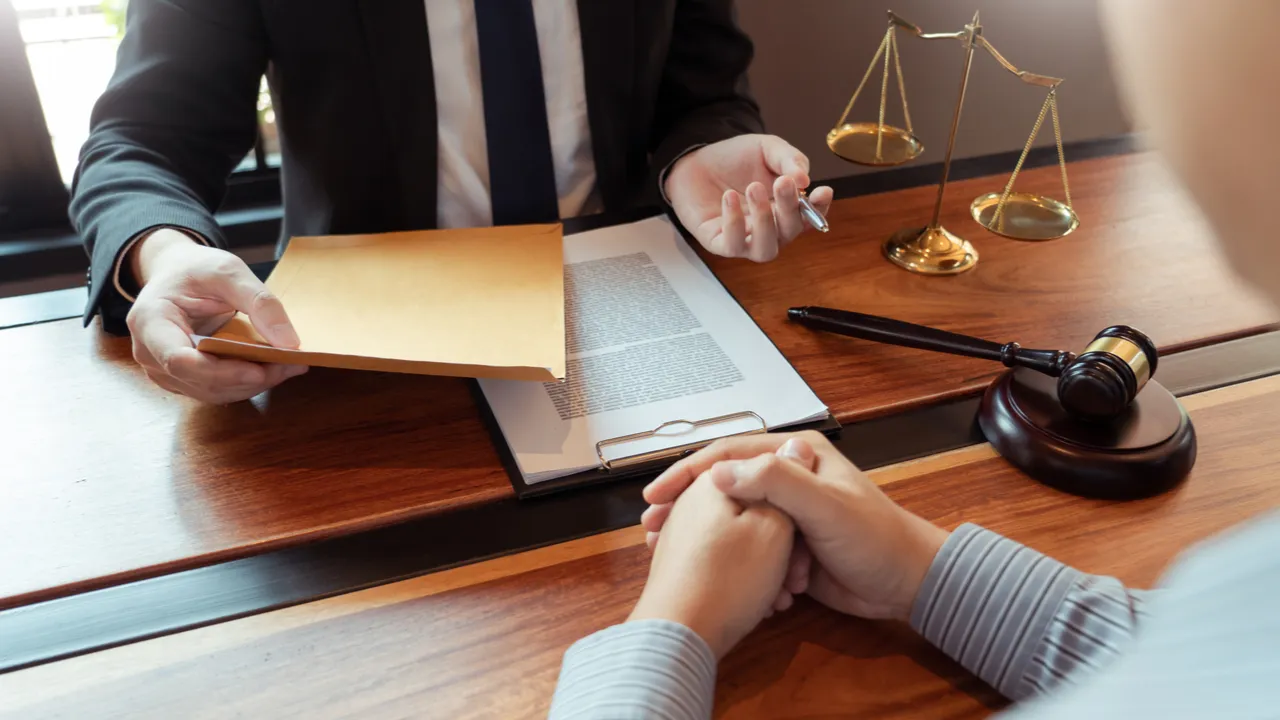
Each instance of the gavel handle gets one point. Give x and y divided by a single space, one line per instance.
897 332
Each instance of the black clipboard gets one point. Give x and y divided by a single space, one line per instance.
628 467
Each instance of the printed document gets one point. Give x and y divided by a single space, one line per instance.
652 338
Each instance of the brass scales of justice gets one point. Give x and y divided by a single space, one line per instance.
934 250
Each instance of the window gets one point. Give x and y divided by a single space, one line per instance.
56 57
71 48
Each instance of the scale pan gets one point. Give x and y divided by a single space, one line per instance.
856 142
1026 216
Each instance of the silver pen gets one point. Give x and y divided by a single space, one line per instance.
811 214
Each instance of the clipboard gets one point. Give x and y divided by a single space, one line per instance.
638 465
624 465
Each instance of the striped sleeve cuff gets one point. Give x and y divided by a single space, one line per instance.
988 602
639 669
1097 619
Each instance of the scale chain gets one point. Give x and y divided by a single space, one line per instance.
1062 156
884 91
902 88
866 76
998 219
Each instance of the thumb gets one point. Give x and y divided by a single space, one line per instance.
799 452
782 158
783 483
250 296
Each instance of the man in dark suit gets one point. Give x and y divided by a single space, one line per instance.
402 115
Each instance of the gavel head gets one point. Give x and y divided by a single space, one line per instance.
1101 382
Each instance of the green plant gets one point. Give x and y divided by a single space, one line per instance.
114 11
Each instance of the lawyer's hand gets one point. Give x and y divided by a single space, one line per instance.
718 566
189 288
740 197
869 556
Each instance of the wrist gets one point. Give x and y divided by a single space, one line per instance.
681 159
148 253
683 613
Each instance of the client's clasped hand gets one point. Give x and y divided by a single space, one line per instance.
719 522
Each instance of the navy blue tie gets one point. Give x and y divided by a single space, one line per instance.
522 177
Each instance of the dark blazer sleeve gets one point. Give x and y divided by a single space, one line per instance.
178 115
703 96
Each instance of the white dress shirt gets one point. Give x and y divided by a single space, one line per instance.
463 198
462 194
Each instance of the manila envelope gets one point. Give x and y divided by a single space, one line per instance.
478 303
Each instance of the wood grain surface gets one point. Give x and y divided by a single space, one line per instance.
105 478
485 641
1142 256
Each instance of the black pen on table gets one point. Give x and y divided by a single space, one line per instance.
811 214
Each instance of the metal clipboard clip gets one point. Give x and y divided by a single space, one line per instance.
679 450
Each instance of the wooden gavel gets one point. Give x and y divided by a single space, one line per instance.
1097 385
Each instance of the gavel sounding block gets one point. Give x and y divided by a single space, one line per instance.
1145 451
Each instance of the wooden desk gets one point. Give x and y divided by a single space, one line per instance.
1140 257
108 479
486 640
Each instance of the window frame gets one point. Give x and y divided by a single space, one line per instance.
33 197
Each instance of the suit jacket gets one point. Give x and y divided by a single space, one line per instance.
355 103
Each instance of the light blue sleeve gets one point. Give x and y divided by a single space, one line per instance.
1209 648
1020 620
642 669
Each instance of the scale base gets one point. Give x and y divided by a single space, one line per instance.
1146 451
1026 216
930 251
856 142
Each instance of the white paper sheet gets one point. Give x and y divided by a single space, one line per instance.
652 337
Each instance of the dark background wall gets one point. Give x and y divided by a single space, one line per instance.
810 55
